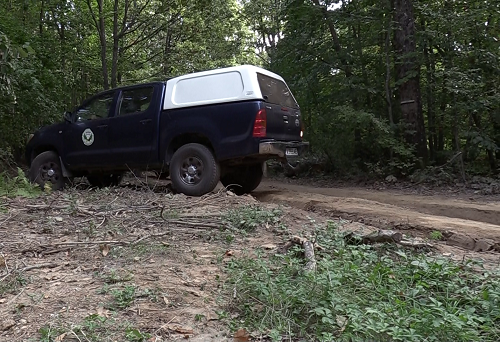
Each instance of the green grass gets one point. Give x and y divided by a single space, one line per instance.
360 293
436 235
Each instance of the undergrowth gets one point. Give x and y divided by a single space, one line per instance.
248 218
18 185
362 293
94 328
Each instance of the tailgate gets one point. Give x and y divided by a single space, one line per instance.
283 123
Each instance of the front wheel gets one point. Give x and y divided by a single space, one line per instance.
194 170
46 169
243 179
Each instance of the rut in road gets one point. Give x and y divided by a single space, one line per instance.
385 209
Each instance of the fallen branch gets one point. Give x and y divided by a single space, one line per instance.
33 267
308 250
309 254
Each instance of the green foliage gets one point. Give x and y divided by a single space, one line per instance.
362 293
95 328
337 57
49 333
135 335
436 235
248 218
123 298
18 186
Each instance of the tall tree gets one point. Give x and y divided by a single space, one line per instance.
408 76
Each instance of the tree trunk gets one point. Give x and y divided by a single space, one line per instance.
430 67
40 23
407 73
101 29
116 41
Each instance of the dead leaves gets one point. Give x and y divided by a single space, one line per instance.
103 312
241 335
186 331
60 337
104 249
3 263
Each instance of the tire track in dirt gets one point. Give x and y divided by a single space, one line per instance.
385 209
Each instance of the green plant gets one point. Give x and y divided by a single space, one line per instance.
123 298
49 333
12 283
248 218
436 235
135 335
18 186
117 276
362 293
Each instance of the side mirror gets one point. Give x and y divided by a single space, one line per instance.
68 117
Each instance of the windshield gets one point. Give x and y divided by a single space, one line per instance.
276 91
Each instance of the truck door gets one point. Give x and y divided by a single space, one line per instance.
86 139
132 129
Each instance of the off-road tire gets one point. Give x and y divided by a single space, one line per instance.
194 170
243 179
46 169
105 180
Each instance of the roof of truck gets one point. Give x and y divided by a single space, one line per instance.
238 83
239 68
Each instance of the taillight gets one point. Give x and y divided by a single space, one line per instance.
301 130
260 124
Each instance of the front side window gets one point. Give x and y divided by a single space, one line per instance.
97 108
135 100
276 91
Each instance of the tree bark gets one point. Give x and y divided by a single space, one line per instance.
431 121
101 30
407 73
116 41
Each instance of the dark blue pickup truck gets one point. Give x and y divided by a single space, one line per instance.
200 128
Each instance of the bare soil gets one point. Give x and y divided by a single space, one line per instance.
65 256
472 215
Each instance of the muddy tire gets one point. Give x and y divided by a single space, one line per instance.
105 180
194 170
46 169
243 179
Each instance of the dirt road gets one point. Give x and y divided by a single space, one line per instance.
388 209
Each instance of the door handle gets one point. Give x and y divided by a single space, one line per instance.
145 121
102 126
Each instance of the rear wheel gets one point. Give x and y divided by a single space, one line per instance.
105 180
194 170
243 179
46 169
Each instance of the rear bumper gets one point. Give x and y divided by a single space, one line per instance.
278 149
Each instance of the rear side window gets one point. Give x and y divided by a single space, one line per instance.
135 100
275 91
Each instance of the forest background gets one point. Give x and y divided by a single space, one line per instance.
388 87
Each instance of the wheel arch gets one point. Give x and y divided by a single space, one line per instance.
188 138
35 151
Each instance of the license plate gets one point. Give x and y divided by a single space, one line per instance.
292 152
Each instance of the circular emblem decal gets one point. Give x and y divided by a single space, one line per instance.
88 137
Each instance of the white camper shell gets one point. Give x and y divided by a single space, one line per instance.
232 84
